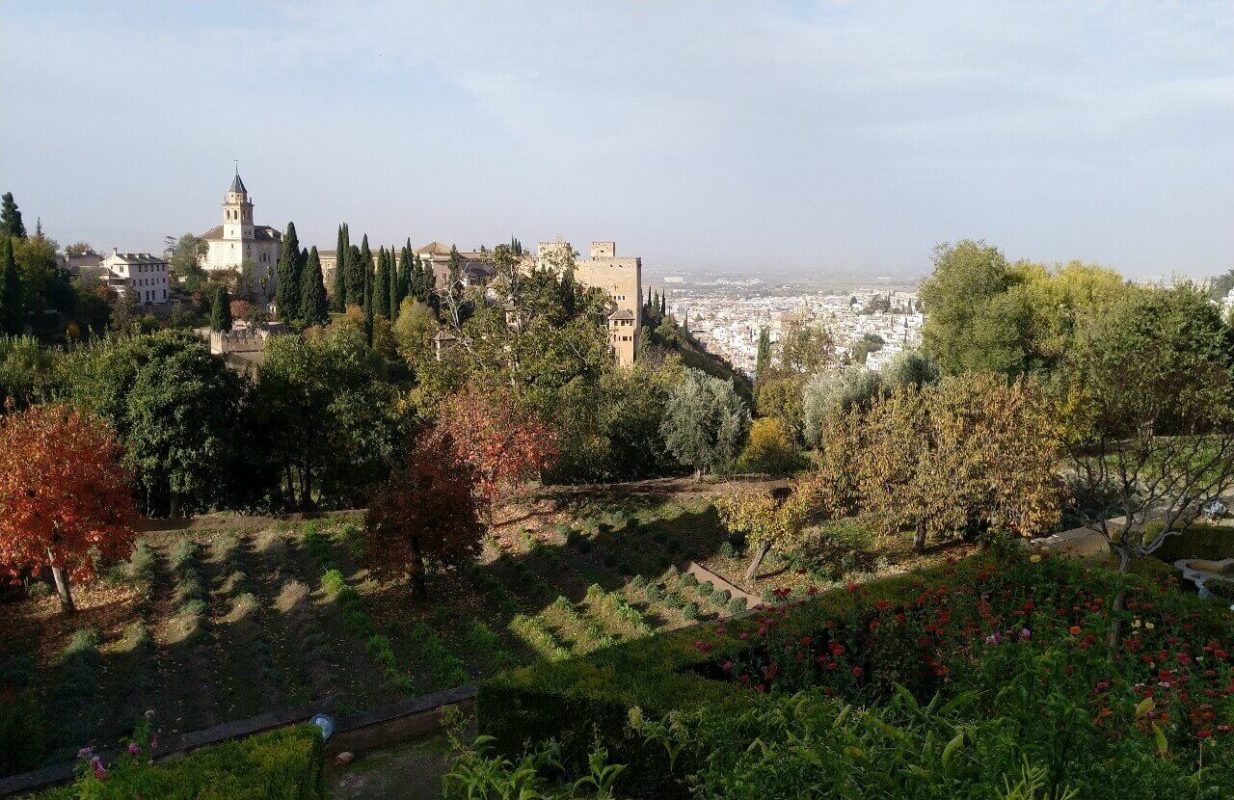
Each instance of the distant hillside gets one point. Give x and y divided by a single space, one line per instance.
670 337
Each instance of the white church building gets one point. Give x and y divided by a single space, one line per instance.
238 242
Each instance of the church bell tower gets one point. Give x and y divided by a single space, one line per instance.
237 211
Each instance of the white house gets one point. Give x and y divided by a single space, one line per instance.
146 274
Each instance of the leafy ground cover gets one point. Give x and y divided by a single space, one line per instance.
992 677
209 626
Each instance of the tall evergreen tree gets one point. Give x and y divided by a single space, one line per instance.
402 288
220 310
10 290
10 217
368 298
287 279
338 301
381 285
314 308
663 305
763 360
360 275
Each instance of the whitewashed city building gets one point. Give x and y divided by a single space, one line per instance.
145 274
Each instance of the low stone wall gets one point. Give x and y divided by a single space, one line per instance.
705 575
356 733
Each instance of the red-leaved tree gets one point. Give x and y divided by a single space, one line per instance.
504 444
65 500
426 514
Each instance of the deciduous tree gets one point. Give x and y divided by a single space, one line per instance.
504 444
65 501
705 422
426 515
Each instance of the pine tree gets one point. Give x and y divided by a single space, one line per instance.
338 302
381 286
287 279
663 305
220 310
10 290
314 308
10 217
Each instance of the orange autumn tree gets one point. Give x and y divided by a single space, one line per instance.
504 444
426 514
65 501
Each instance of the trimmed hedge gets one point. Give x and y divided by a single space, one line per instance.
285 764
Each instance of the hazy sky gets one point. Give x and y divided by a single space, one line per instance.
805 136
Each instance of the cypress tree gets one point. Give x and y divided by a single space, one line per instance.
763 360
314 308
360 275
406 272
10 217
381 286
287 280
368 297
338 301
220 310
10 290
663 305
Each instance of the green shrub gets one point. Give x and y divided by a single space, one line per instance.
690 611
705 588
638 581
653 593
23 730
737 605
727 550
674 601
688 580
285 764
333 582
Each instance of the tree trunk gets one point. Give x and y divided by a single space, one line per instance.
418 589
1116 609
919 538
698 475
62 590
756 561
173 506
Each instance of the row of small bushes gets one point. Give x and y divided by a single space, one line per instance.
538 637
285 764
615 607
587 634
190 590
355 616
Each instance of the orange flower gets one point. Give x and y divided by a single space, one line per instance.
1075 630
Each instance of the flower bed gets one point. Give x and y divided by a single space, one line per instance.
1028 638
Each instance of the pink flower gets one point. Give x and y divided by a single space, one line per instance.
133 748
85 752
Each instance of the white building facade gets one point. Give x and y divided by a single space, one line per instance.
145 274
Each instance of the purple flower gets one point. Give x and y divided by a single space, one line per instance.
85 752
1025 634
133 748
994 638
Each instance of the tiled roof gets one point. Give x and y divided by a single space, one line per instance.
214 233
434 249
237 185
622 313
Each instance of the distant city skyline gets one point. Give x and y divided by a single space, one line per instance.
793 138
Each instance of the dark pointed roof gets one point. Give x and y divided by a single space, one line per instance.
237 185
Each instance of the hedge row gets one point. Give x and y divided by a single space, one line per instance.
285 764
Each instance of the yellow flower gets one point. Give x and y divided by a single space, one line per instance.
1149 625
1035 557
1136 624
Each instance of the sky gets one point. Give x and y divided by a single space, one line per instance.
787 138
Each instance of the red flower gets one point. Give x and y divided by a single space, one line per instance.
857 672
